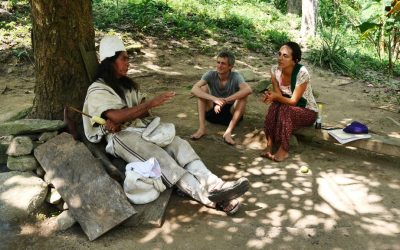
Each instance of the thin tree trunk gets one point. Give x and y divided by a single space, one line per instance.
294 7
309 18
59 26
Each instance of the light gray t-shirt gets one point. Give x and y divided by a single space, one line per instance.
231 87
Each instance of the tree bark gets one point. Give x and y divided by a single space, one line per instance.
294 7
59 26
309 18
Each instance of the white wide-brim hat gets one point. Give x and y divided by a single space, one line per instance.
109 45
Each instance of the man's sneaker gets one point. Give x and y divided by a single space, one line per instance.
230 190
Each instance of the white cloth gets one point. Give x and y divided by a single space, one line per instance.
150 168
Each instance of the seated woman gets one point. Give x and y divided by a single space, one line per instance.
292 102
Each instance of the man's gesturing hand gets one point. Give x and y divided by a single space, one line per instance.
161 99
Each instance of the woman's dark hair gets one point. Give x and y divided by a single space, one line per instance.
107 73
296 51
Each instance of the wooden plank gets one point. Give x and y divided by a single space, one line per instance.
151 214
90 61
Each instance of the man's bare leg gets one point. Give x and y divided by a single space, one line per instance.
238 111
202 107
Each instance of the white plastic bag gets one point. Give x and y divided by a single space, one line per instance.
143 182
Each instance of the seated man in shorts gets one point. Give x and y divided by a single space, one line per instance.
222 96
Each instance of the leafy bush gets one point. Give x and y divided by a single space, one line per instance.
277 37
331 54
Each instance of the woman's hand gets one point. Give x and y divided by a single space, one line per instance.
112 127
268 96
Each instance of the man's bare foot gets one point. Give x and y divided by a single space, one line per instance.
228 139
197 135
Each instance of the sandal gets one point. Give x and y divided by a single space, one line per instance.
229 207
230 190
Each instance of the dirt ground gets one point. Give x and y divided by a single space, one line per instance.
347 201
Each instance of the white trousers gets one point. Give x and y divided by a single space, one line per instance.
179 163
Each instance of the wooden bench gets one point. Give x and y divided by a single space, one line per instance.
151 214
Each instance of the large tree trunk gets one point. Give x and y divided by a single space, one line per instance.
309 18
294 7
59 26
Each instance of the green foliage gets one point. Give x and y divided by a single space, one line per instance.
340 53
15 30
332 54
277 37
12 4
381 28
338 13
248 21
352 39
281 5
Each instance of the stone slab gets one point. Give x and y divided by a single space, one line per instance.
59 223
20 145
45 136
53 197
151 214
29 126
5 141
95 201
22 163
9 111
21 193
377 143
